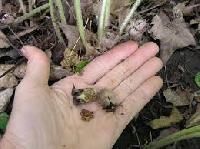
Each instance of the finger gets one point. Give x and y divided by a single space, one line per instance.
126 68
38 66
149 69
138 99
102 64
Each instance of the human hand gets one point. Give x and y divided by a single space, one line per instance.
44 117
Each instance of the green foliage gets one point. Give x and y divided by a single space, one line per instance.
197 79
4 117
193 132
79 66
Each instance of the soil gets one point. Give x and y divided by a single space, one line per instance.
178 73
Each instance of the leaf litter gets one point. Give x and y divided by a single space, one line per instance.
171 24
172 35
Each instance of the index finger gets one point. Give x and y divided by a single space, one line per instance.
103 64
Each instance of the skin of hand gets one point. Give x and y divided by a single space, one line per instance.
44 117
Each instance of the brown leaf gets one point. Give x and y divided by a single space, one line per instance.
177 98
172 34
5 98
70 58
74 42
109 41
166 132
195 118
136 29
118 6
3 41
56 72
9 80
186 10
72 34
165 121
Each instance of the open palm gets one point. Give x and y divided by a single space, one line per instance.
45 117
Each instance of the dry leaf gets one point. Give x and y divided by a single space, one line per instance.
118 6
72 34
172 34
196 96
165 121
166 132
186 10
195 118
13 54
109 41
9 80
177 98
20 71
136 29
195 21
70 59
3 41
5 98
56 72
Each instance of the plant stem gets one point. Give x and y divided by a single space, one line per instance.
107 13
128 17
54 21
30 5
192 132
31 14
61 11
102 17
79 21
21 3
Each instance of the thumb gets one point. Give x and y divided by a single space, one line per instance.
38 66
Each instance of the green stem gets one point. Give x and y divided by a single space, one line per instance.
102 20
54 21
128 17
107 14
31 14
61 11
79 21
192 132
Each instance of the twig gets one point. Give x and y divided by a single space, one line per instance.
61 11
128 17
31 14
79 21
54 21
